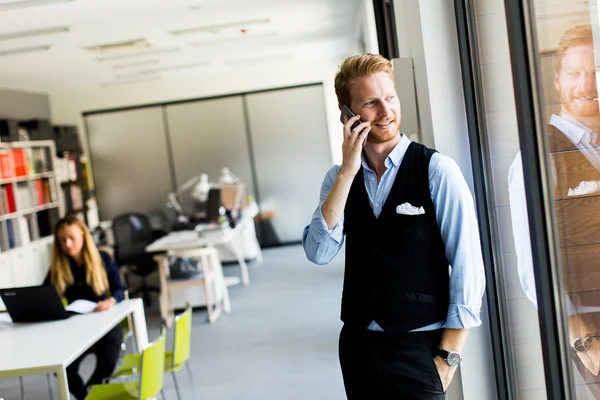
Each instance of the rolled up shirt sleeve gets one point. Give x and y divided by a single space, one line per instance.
456 217
320 243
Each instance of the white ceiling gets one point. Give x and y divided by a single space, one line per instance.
276 31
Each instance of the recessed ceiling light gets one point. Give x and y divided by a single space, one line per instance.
271 58
140 54
15 5
34 33
145 79
123 45
24 50
135 64
184 66
240 37
218 28
161 69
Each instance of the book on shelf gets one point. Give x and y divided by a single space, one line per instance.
10 234
20 162
33 228
39 192
6 164
21 231
8 196
23 196
87 174
76 197
52 190
30 200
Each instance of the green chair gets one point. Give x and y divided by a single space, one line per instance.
150 381
175 359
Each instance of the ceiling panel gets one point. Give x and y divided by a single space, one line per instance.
217 32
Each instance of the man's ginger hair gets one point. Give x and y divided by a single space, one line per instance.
356 66
578 35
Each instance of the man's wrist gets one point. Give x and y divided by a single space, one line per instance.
345 176
452 358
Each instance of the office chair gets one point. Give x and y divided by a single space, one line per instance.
132 233
150 383
175 360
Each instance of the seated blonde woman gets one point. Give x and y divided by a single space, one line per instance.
80 271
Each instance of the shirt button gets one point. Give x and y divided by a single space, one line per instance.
377 205
372 179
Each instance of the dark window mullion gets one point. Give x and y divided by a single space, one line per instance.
538 190
485 202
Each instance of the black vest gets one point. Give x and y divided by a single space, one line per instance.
396 268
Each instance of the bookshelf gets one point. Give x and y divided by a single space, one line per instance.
31 201
75 183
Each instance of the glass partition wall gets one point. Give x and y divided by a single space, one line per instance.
535 120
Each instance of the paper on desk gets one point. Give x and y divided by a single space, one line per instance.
5 320
81 306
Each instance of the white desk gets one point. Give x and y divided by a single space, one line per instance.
49 347
185 240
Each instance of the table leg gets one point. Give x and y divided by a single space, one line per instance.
252 232
63 386
240 257
139 326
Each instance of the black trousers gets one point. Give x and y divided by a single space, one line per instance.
383 365
107 351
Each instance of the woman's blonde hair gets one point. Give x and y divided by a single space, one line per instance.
355 67
60 271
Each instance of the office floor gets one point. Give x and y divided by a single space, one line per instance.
279 342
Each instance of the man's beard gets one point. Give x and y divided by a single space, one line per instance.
382 137
581 109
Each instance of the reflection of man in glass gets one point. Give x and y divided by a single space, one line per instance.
579 120
576 169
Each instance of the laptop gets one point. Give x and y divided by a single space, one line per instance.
33 304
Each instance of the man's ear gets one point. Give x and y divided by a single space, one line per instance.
556 82
339 107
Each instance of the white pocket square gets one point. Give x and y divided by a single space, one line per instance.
409 209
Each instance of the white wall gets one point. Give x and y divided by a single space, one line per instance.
67 107
410 44
446 97
427 33
24 105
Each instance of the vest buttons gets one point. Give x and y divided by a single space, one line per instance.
377 250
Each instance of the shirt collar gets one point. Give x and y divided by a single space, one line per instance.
395 156
572 129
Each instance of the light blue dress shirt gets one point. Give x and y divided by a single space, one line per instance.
455 215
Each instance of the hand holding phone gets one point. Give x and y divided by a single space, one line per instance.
351 147
348 112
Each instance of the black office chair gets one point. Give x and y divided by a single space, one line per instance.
132 233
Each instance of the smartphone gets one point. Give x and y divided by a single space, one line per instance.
348 112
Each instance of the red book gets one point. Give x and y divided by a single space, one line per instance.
6 165
20 160
39 192
10 197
